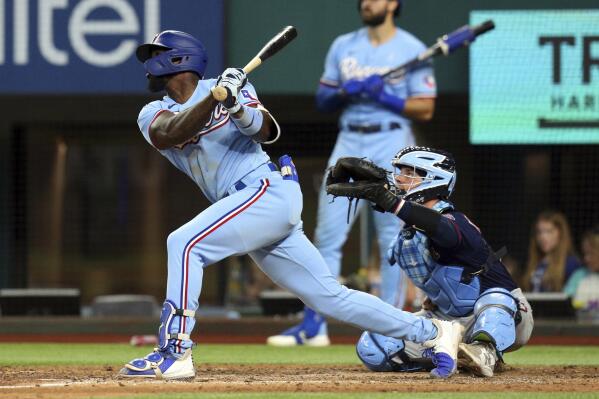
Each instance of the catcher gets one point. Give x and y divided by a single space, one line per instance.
445 255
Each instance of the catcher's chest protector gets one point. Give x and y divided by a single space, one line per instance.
445 285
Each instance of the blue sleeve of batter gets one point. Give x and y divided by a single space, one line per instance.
331 76
147 116
421 82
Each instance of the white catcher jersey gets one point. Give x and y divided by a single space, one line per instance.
218 155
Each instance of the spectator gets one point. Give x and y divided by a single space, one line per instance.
583 285
551 259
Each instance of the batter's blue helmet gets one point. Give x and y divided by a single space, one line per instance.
183 53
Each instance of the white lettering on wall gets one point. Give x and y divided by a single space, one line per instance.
126 26
45 32
2 32
21 32
80 27
151 19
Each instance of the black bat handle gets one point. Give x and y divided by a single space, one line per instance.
484 27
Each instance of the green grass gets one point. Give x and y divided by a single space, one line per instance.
100 354
370 395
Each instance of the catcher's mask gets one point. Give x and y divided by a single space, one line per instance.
436 167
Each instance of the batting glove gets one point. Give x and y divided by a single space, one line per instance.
373 86
232 79
353 87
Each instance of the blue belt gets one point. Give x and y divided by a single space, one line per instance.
240 185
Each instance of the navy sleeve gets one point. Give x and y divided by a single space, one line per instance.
471 248
441 230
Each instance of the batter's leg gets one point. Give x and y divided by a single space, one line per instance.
387 228
223 229
296 265
332 229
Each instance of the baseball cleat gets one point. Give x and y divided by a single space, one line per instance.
444 347
307 333
160 365
478 357
297 336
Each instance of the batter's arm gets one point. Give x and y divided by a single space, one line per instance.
269 130
169 129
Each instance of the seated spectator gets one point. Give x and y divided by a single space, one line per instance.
583 285
551 258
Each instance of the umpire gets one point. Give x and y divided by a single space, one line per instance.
375 123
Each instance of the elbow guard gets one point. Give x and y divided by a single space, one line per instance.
250 121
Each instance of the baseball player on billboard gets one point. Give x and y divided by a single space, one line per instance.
445 255
375 123
256 209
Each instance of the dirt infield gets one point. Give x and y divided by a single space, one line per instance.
70 382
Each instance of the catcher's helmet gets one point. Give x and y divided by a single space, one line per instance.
395 13
183 53
436 167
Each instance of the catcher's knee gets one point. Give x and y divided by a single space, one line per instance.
380 353
495 314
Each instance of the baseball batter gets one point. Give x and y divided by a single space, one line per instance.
445 255
256 209
375 124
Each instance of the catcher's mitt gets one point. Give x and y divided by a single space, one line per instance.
356 169
369 182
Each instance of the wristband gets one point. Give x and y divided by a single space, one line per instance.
395 104
250 121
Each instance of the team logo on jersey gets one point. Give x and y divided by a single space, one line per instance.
218 118
351 69
430 82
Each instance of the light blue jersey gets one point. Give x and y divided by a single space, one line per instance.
219 155
352 56
370 130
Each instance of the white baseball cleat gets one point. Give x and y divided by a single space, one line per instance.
299 338
444 348
160 365
478 357
309 332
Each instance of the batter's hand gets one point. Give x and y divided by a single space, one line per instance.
373 86
232 79
353 87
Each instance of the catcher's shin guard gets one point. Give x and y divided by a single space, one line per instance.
495 312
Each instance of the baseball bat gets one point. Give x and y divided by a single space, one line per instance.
275 45
445 45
